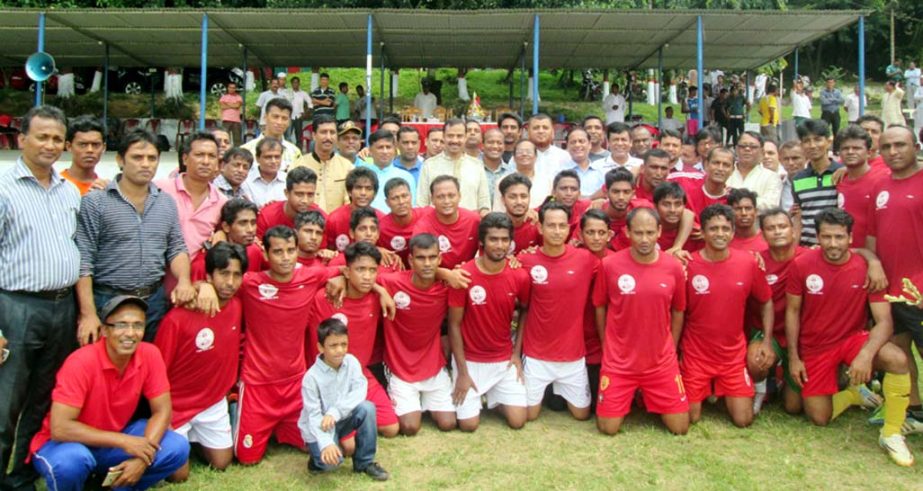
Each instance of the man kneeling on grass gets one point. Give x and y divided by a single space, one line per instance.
333 392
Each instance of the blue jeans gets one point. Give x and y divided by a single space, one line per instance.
67 465
157 308
362 421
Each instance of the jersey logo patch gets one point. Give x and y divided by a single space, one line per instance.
539 275
627 284
478 295
342 241
700 284
881 201
444 244
814 283
603 383
340 316
205 339
840 200
268 291
772 279
402 300
398 243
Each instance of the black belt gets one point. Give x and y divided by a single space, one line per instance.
45 294
144 292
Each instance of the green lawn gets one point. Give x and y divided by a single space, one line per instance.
556 452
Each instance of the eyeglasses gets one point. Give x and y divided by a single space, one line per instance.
124 326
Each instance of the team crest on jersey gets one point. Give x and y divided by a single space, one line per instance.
248 441
840 200
627 284
340 316
700 284
603 384
402 300
478 295
268 291
772 279
814 283
512 248
342 241
398 243
205 339
539 275
881 201
444 244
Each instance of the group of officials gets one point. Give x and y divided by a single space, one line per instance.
336 298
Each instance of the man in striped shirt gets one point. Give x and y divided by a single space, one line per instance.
38 219
128 234
813 188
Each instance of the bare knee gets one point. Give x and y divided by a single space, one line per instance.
221 462
893 360
389 431
742 420
608 426
445 421
181 474
468 425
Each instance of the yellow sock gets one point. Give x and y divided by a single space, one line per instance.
843 400
896 389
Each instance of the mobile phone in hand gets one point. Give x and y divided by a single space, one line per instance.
111 477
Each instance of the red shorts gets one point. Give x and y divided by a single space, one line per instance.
731 379
377 395
662 390
264 410
822 368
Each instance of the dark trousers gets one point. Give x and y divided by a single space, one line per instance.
361 420
833 119
735 130
40 334
157 307
233 128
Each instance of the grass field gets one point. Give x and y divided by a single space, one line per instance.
555 452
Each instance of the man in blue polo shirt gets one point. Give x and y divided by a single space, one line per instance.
382 150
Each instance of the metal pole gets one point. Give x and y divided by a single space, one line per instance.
862 65
660 84
631 98
243 92
41 47
106 91
203 72
700 66
381 91
511 88
522 83
368 79
535 41
796 64
152 93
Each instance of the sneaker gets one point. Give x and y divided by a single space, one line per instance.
878 416
911 425
759 397
897 449
313 468
375 471
870 400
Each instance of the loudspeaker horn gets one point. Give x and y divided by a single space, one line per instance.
40 66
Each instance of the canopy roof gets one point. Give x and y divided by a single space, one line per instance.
571 38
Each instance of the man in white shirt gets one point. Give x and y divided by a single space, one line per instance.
614 106
268 183
267 96
551 158
852 105
669 122
453 161
300 102
801 104
425 101
912 78
750 174
618 136
277 121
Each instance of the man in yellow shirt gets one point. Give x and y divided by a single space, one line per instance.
331 168
769 112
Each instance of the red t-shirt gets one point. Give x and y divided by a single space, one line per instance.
361 317
594 348
696 199
896 220
776 274
275 317
717 294
754 243
668 238
878 161
340 261
255 263
641 193
458 242
855 196
107 400
413 347
312 262
395 237
489 302
202 355
524 237
553 333
833 303
618 226
639 298
336 231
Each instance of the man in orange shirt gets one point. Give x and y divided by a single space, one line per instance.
86 143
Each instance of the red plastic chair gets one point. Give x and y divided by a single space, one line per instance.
130 124
306 136
211 124
153 125
185 128
250 127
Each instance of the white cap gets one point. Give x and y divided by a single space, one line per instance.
281 75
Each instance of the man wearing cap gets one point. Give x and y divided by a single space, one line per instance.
349 141
89 428
41 263
331 169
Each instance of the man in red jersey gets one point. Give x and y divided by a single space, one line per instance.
276 303
854 191
201 354
621 194
360 311
396 227
309 230
419 380
480 318
713 341
874 126
549 336
825 326
640 297
300 190
238 223
361 186
515 191
654 171
594 236
670 203
895 234
747 236
710 190
455 228
363 227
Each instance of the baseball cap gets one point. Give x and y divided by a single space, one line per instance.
118 301
348 126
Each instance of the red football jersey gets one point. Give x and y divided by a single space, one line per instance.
361 316
833 301
855 196
754 243
413 347
395 237
273 214
525 236
336 231
255 263
896 221
639 298
553 333
594 347
489 302
202 355
776 274
340 261
458 242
